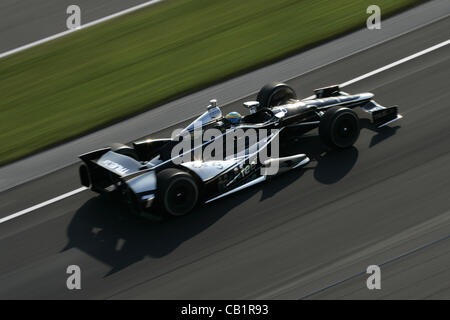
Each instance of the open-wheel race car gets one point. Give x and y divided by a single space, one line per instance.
149 176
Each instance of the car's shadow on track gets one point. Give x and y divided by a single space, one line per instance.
382 133
329 166
105 230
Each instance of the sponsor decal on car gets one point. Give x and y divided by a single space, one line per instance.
115 167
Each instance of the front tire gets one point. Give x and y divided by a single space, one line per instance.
339 127
178 192
275 94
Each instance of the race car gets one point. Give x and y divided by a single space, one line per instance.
150 176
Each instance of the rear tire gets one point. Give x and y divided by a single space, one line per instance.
339 127
178 192
275 94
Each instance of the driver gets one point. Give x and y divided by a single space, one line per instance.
234 118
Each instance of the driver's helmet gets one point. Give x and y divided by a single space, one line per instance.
234 117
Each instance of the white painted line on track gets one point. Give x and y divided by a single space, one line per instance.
392 65
84 26
362 77
396 63
43 204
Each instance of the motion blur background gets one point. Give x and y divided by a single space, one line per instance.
75 84
308 234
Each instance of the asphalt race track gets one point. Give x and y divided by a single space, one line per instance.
27 21
307 234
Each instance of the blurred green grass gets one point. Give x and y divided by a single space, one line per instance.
100 75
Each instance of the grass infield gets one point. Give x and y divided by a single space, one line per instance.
94 77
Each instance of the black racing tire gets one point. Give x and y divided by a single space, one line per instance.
178 192
275 94
339 127
124 150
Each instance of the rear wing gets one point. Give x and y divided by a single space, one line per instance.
103 168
